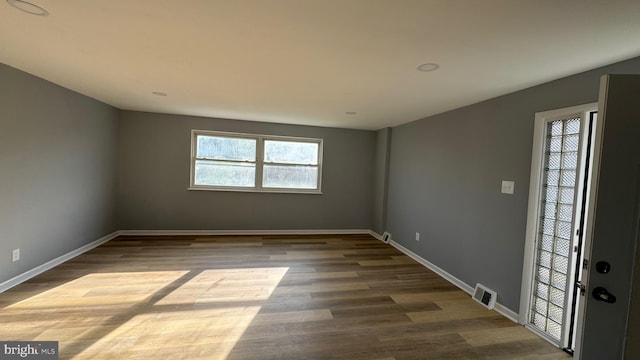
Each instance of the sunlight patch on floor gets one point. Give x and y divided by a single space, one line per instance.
227 285
122 288
137 314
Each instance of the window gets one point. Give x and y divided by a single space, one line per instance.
244 162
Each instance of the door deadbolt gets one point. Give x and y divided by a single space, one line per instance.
603 267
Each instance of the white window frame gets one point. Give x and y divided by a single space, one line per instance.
260 162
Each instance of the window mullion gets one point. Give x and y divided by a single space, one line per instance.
259 162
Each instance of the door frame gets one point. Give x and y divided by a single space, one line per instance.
533 214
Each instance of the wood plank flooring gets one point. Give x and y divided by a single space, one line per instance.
269 297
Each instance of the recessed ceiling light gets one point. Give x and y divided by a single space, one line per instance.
159 93
28 7
428 67
350 112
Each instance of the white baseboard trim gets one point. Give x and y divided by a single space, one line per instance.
243 232
375 235
55 262
452 279
506 312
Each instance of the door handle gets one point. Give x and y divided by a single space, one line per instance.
602 294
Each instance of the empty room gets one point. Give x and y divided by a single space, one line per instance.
307 179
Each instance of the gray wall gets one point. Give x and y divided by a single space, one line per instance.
445 175
381 180
154 176
57 170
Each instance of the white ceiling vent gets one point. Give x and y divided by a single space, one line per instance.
485 296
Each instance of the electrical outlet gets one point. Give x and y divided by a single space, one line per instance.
417 236
15 255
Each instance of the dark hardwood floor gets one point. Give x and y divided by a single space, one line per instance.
257 297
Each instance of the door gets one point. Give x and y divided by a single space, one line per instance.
607 316
559 177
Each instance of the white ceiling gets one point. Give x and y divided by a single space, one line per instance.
310 61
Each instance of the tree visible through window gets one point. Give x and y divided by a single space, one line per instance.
229 161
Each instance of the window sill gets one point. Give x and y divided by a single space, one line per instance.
254 190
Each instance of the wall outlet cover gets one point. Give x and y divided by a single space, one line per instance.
508 187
